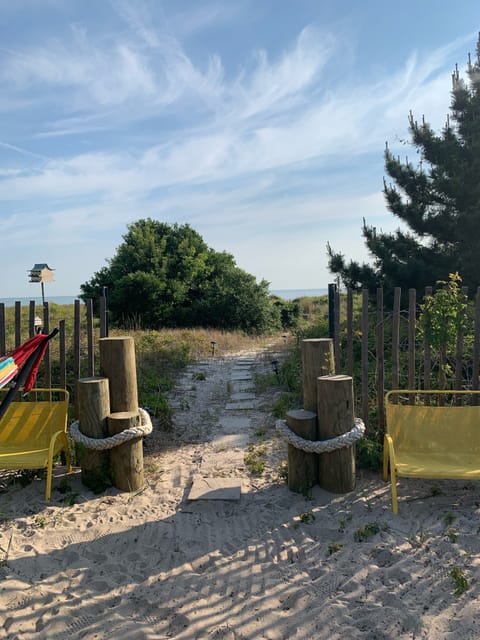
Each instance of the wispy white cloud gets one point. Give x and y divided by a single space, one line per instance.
250 148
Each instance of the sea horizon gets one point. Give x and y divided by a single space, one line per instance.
285 294
10 302
292 294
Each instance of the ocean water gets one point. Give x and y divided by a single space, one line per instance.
285 294
10 302
292 294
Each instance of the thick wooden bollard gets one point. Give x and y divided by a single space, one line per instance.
117 363
302 466
93 407
335 414
317 360
126 458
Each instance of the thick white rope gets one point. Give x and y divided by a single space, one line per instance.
101 444
321 446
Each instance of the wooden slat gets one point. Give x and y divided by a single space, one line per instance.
427 360
365 403
90 345
476 343
31 319
337 330
380 361
412 302
459 355
350 332
18 323
3 329
103 317
46 359
76 340
397 294
62 354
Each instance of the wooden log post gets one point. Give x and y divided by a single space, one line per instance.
117 363
302 465
127 458
93 408
335 417
317 360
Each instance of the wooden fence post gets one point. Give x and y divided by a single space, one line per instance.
364 356
93 407
302 465
336 416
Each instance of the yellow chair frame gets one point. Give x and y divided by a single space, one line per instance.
424 440
34 430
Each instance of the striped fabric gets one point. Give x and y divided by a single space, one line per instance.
8 370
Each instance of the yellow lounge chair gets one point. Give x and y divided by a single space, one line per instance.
33 431
425 440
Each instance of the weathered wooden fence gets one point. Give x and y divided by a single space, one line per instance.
382 348
72 354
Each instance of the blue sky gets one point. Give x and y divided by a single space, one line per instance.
261 123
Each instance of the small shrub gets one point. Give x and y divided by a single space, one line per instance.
282 470
459 580
63 486
452 535
70 499
307 517
285 402
342 525
369 454
368 531
418 540
41 521
449 518
255 460
334 547
99 479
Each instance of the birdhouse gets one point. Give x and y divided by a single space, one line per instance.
41 272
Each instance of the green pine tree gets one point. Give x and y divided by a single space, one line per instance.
438 199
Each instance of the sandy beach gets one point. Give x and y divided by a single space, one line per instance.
265 564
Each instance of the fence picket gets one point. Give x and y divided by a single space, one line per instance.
365 403
380 360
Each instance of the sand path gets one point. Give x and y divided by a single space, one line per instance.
271 564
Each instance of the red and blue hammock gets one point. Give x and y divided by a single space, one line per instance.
20 367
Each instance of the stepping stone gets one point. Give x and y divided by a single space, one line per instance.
215 489
240 386
241 376
242 395
243 405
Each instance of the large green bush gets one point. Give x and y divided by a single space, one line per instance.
166 276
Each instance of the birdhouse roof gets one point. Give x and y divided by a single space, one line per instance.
40 266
